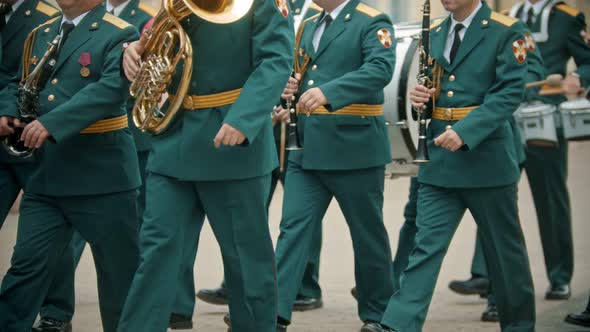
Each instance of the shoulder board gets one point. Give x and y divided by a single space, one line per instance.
571 11
437 23
503 19
315 7
114 20
46 9
369 11
151 11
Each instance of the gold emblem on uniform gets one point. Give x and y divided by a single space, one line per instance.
347 17
94 25
28 13
385 37
85 60
47 30
519 50
283 7
132 12
485 22
530 42
84 72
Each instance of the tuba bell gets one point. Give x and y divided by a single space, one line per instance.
166 47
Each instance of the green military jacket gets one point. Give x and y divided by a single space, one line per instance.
489 72
561 34
72 163
254 54
28 16
354 62
137 14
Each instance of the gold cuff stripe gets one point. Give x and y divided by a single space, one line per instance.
354 109
209 101
452 114
107 125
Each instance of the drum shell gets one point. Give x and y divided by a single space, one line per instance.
537 124
575 118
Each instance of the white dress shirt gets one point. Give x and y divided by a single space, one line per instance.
14 8
319 31
537 7
117 10
451 36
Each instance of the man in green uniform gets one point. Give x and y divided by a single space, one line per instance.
216 160
474 164
560 32
87 174
310 293
17 19
351 53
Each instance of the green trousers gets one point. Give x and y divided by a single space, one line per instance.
46 224
360 196
407 234
439 212
13 177
546 170
175 212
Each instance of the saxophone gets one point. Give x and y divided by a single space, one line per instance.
28 94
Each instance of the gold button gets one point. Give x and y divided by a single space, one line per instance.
449 127
314 67
54 81
310 82
452 78
450 94
298 10
51 98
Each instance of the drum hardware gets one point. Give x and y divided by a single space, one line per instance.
537 124
575 117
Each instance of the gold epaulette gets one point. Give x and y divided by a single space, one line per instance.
315 7
369 11
571 11
114 20
151 11
46 9
437 23
503 19
505 12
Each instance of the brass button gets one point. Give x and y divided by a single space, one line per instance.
298 10
449 127
310 82
51 98
314 67
54 81
450 94
452 78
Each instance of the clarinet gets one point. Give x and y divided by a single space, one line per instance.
28 98
293 143
423 79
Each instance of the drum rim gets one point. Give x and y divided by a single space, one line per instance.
402 92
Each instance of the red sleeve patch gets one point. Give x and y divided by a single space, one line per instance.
385 37
283 7
519 50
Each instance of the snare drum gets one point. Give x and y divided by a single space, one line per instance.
537 124
402 130
575 117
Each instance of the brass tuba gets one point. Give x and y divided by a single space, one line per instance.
167 46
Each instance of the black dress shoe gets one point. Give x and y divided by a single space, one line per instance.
303 303
353 293
227 321
562 292
216 296
473 286
490 314
372 327
582 319
52 325
180 322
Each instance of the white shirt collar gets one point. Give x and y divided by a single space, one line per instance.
76 21
117 10
466 22
536 7
336 10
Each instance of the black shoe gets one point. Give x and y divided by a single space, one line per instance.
180 322
473 286
372 327
490 314
227 321
52 325
216 296
303 303
353 293
582 319
562 292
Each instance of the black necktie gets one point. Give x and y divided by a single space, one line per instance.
66 28
328 20
456 42
530 18
4 10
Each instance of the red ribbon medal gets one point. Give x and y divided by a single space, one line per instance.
85 60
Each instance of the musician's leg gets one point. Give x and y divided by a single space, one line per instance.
236 210
439 213
9 189
478 264
407 234
496 213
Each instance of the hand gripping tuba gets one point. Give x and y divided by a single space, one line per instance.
167 46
